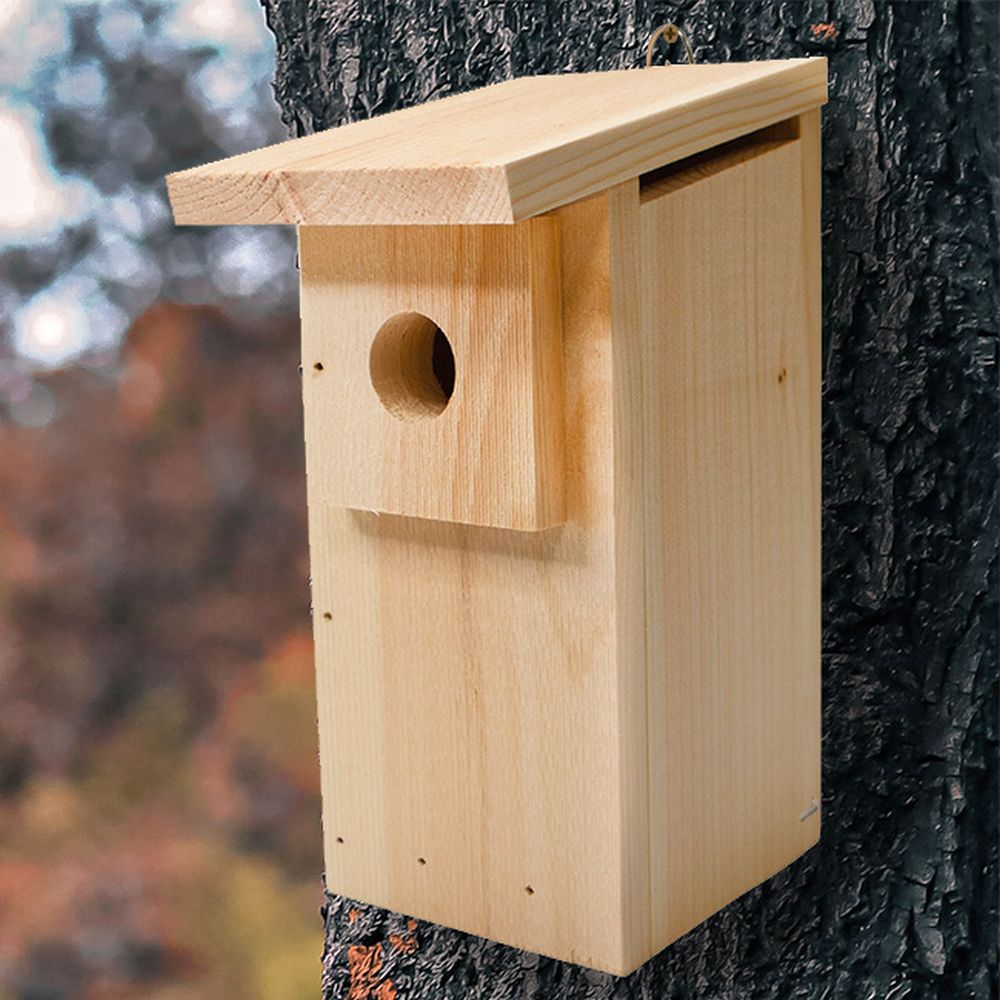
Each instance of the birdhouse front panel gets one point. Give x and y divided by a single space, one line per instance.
561 368
491 682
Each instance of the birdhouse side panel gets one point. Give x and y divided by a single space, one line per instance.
732 336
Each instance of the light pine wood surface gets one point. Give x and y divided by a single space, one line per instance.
567 620
731 336
493 456
584 740
502 153
481 691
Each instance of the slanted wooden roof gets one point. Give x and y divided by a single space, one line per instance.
502 153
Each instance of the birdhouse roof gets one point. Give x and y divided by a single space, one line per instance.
502 153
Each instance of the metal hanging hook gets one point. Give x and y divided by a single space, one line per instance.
670 33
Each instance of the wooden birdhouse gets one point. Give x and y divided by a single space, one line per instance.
561 358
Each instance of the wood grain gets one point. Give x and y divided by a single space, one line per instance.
502 153
583 741
481 691
732 389
493 455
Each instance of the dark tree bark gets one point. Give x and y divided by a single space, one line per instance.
899 899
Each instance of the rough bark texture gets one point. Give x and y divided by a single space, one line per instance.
899 899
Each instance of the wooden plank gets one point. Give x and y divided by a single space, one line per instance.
811 147
731 340
629 557
381 434
502 153
481 691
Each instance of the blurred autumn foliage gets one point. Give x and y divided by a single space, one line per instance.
159 787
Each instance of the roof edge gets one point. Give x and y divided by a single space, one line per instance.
281 185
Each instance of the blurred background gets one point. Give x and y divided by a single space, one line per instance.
159 788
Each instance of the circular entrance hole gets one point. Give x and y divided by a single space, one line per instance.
412 367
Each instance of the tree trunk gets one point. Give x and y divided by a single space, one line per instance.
899 899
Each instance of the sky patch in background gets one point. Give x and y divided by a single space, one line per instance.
98 101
